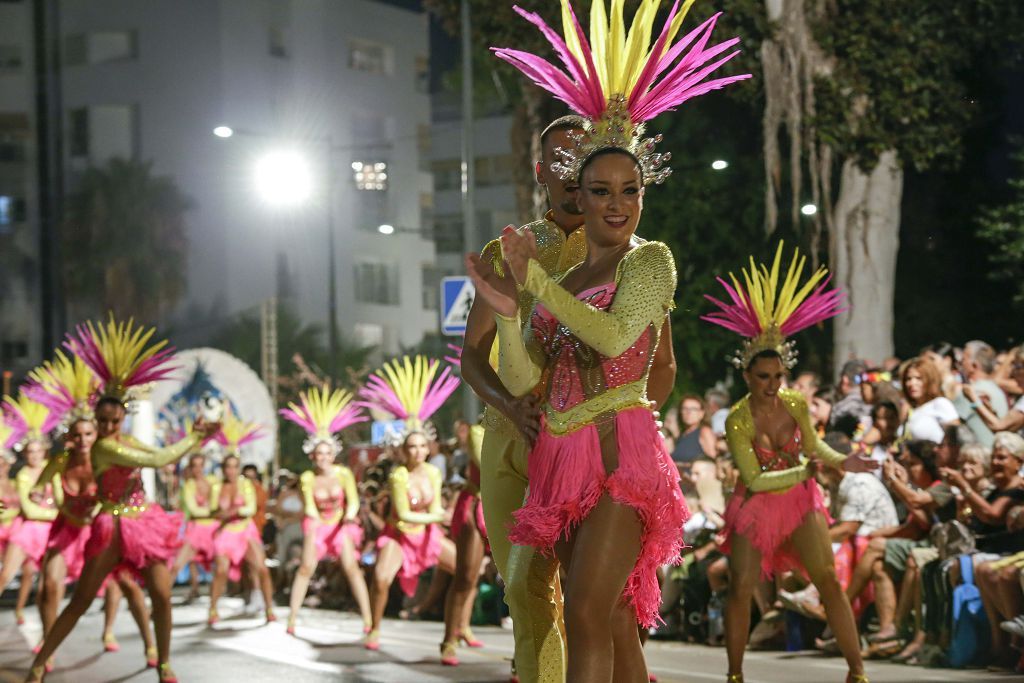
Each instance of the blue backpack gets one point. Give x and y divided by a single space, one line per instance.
970 641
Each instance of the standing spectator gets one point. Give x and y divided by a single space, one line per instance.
808 383
850 404
460 452
930 411
1013 420
944 356
696 438
979 362
260 518
718 407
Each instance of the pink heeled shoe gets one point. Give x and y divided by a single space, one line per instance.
372 642
110 643
448 656
467 638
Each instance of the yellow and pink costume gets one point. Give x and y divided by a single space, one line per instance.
200 526
40 506
233 537
331 514
594 351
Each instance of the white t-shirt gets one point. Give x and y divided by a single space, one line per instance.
1019 405
926 422
863 498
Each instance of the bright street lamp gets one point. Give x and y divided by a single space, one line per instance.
719 164
808 209
386 229
283 178
223 131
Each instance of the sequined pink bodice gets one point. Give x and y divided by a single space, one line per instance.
577 373
80 504
783 459
330 501
120 485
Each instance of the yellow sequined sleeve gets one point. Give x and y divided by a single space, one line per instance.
248 508
399 482
517 369
30 509
646 285
55 467
813 445
739 433
348 484
110 451
307 483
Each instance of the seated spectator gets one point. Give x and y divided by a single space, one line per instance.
695 438
977 366
850 404
944 356
807 383
989 517
717 402
1013 420
930 412
974 463
880 440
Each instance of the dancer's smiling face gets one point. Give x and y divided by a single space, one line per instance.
109 417
82 436
35 451
322 456
416 450
231 468
611 198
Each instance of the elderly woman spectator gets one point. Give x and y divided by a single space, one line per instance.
930 411
989 521
1013 419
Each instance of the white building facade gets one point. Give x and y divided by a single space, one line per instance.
340 84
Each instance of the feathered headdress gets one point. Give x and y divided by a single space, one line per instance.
766 315
410 389
235 433
323 413
6 438
30 421
119 355
67 387
618 81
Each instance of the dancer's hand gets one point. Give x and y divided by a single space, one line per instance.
499 292
517 249
207 429
859 463
524 412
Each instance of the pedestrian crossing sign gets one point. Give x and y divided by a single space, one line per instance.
457 294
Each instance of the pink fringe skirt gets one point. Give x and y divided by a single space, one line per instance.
330 537
149 538
199 535
768 519
468 507
31 536
420 552
70 541
568 478
233 544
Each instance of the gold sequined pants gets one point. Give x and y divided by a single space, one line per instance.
531 580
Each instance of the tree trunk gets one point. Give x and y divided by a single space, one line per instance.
865 240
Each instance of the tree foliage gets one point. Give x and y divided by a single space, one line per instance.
1003 226
124 241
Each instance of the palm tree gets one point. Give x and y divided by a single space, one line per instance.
124 241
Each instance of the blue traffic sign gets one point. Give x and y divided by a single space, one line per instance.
457 294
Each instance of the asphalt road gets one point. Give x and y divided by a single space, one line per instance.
328 648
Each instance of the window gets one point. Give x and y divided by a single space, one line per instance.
432 287
10 57
99 47
371 128
277 45
494 170
13 350
370 175
12 210
102 132
12 150
377 283
422 74
370 57
447 175
448 233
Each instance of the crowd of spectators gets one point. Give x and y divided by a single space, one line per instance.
944 510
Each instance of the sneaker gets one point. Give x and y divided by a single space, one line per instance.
1014 626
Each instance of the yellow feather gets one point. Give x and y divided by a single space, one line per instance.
34 414
572 41
638 43
598 40
616 48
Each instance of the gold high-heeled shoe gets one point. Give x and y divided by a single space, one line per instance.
734 678
857 678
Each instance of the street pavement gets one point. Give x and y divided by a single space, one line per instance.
328 648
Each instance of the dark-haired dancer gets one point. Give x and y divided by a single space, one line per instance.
776 519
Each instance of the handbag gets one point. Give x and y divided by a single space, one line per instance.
952 538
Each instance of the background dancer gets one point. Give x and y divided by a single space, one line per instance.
331 500
412 541
236 540
197 549
128 533
776 519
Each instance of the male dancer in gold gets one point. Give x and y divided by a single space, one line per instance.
511 425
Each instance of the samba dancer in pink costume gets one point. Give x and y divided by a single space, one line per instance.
413 540
69 389
128 533
776 518
200 525
26 543
331 526
237 540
